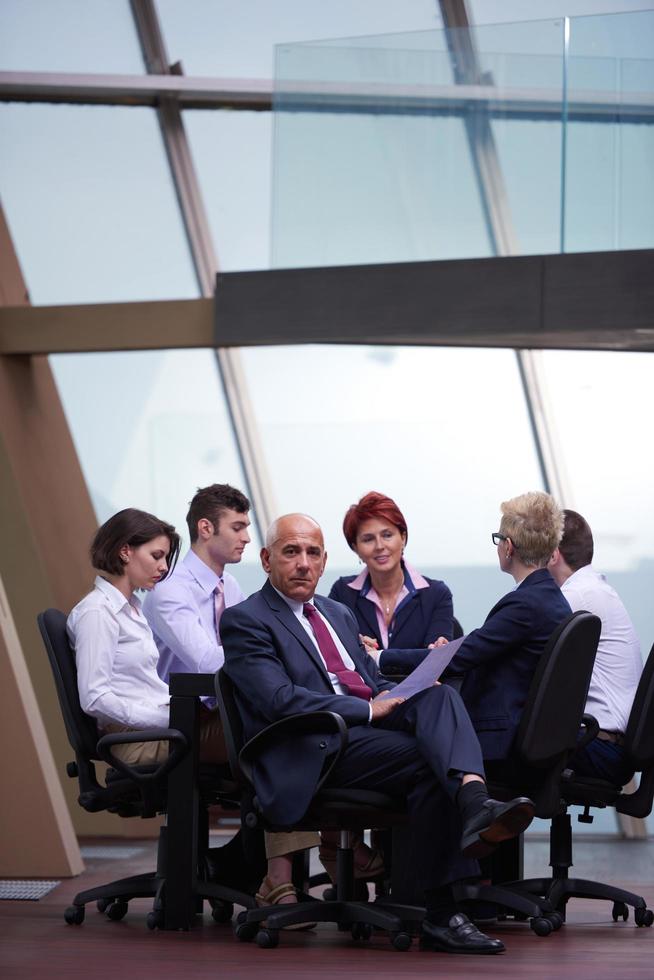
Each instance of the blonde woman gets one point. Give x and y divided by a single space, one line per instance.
496 662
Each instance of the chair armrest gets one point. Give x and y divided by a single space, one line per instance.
178 749
589 730
314 722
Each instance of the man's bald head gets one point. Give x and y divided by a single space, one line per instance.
294 556
289 522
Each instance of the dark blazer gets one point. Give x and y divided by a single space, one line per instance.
424 615
278 672
498 660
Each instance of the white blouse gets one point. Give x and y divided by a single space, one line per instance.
116 660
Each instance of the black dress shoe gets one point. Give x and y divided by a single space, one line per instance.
495 822
458 936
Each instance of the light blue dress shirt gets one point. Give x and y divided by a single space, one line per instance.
181 614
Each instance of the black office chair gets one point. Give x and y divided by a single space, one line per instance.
586 792
546 738
129 791
331 808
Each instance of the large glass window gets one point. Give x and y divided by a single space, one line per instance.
220 37
68 36
603 414
150 428
609 162
231 151
91 205
442 431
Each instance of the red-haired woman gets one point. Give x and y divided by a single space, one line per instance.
396 607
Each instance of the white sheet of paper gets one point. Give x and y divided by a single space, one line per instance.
427 672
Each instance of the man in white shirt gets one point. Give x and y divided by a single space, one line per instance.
184 613
618 663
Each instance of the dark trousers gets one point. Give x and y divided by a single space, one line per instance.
418 752
602 760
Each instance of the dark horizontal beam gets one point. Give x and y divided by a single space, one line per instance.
591 301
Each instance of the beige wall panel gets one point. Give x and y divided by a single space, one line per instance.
46 523
37 839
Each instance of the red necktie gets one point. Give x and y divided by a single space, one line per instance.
218 606
353 682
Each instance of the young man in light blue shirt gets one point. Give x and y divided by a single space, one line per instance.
184 614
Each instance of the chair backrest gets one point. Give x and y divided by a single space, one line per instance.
232 723
457 628
555 704
82 730
639 737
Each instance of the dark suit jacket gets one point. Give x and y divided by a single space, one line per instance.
278 672
498 660
425 615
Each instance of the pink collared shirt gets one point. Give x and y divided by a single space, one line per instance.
418 581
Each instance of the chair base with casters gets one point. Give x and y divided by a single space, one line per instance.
560 888
331 809
113 897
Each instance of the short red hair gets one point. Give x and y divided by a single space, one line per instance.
372 505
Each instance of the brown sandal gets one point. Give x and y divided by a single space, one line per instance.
275 895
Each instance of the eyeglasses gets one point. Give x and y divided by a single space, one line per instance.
497 537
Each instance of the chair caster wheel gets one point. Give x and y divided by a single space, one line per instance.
74 915
103 904
620 911
643 917
222 911
541 926
268 938
245 932
154 920
555 919
401 941
361 931
117 911
329 894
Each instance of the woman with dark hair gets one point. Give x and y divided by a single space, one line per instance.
396 607
116 656
115 652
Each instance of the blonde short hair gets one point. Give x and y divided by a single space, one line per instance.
534 522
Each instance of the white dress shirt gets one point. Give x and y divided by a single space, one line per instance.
618 664
181 614
297 608
116 659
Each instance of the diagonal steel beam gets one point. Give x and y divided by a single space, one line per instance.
206 263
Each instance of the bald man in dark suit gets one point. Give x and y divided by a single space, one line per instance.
289 651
